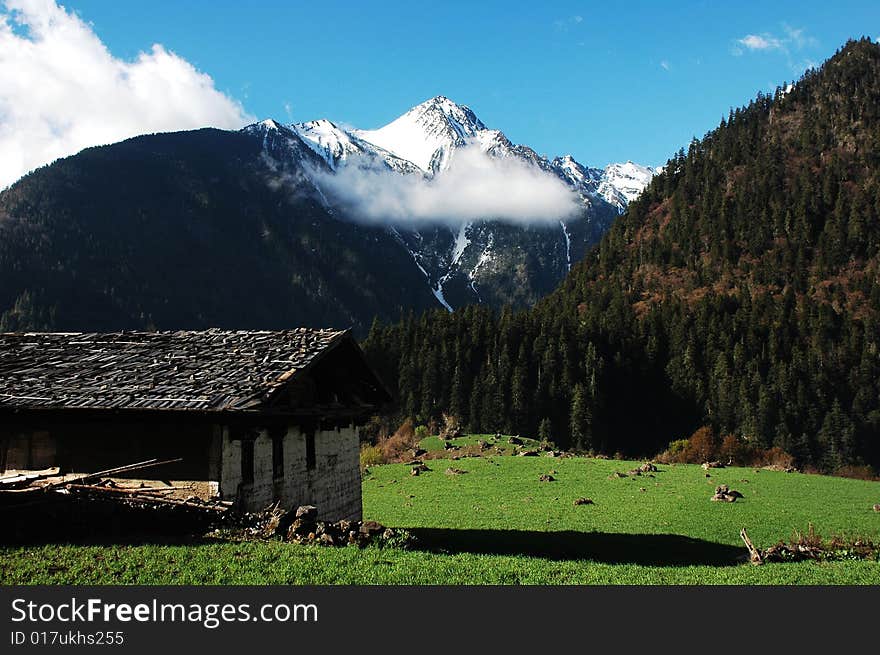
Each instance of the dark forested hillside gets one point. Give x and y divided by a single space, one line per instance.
212 228
741 291
189 230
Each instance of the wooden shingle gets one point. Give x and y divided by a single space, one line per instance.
210 370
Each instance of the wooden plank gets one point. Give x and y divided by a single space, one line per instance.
128 468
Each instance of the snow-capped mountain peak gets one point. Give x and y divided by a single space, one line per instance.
625 179
469 262
428 134
576 174
423 141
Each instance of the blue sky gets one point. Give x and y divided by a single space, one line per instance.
603 81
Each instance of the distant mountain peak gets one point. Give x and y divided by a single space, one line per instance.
455 115
428 134
424 139
270 123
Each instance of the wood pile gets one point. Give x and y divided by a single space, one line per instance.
37 499
810 546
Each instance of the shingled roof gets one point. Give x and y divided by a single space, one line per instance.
211 370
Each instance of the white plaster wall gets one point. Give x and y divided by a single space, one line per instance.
333 485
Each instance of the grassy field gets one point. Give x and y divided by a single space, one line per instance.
498 524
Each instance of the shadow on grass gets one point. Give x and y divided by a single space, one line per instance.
102 524
606 547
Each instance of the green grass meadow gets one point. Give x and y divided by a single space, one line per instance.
498 524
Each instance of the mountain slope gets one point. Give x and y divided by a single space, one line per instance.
740 291
210 228
190 230
478 261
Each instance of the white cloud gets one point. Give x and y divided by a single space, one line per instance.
790 45
664 65
62 90
564 24
798 38
794 39
476 186
760 42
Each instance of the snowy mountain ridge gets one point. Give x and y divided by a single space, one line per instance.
425 138
480 260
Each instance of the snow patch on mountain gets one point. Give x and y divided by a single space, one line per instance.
567 245
461 243
338 147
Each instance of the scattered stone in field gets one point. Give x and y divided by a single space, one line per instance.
552 453
583 501
448 445
528 453
648 467
547 478
616 475
516 441
713 465
708 475
642 489
725 494
421 467
418 452
371 528
651 475
307 512
634 472
877 507
744 480
415 471
454 471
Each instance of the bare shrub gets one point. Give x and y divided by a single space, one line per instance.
774 457
393 448
734 450
700 447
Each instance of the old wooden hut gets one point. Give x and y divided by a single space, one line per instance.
258 417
